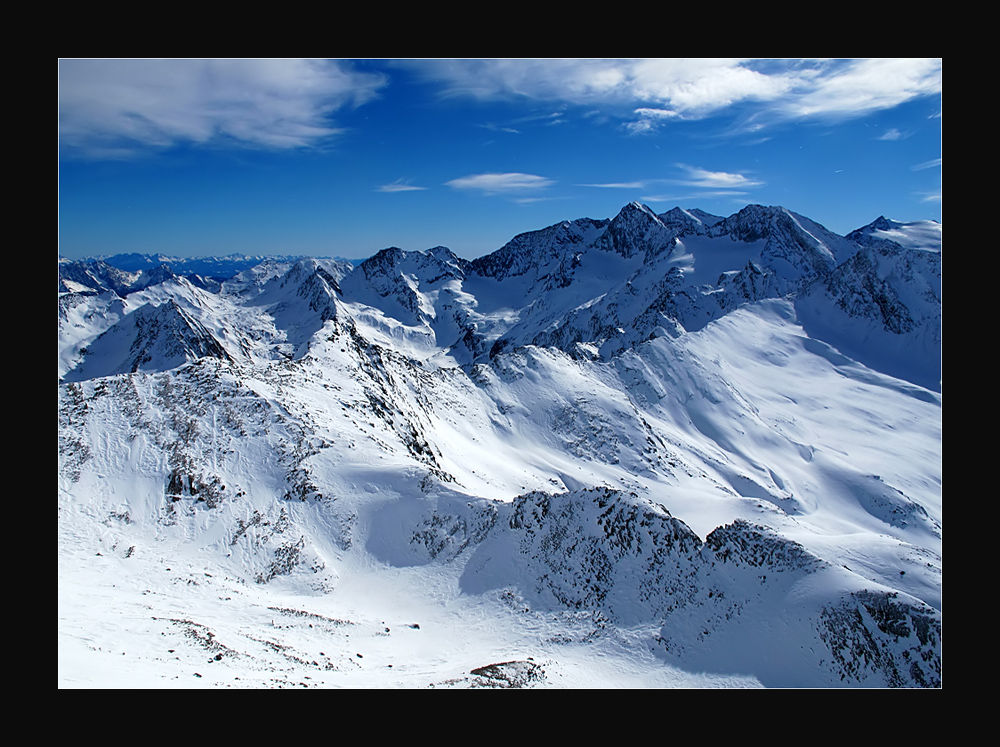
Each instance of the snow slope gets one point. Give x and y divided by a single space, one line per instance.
615 453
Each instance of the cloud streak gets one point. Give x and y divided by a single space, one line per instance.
119 107
618 185
501 183
400 185
893 134
707 183
702 178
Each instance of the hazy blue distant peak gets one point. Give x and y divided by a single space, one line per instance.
216 267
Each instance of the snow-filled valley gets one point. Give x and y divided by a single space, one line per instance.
675 450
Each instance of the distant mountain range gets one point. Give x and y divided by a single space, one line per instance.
718 437
213 268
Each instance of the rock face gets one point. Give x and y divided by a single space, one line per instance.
636 230
538 253
606 550
719 436
593 549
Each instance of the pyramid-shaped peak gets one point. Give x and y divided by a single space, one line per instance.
634 208
382 262
636 230
882 224
879 224
443 254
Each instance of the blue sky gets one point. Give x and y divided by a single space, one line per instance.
347 157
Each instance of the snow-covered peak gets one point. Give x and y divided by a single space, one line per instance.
95 276
446 256
151 338
751 223
680 215
636 230
686 222
709 219
529 253
422 266
636 205
922 235
795 246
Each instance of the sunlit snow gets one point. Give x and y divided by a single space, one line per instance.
639 460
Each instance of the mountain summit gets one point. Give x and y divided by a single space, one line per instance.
671 449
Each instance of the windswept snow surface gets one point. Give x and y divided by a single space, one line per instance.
377 477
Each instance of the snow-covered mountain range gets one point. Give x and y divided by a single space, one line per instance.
653 450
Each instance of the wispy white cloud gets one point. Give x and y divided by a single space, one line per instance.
500 128
399 185
120 106
649 120
926 164
515 126
533 200
702 178
617 185
495 183
685 85
649 92
835 88
892 134
708 183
